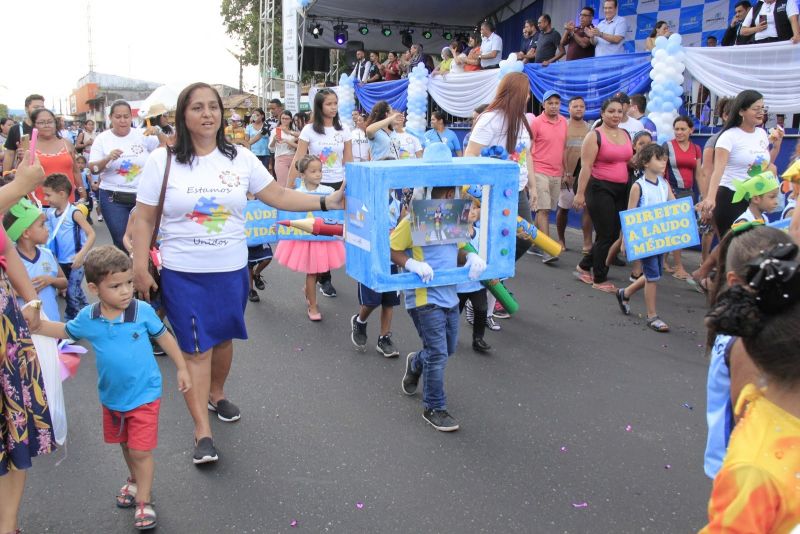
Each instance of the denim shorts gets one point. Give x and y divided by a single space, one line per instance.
652 268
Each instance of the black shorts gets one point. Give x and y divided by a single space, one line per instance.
259 253
373 299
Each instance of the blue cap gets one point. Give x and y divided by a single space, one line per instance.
549 94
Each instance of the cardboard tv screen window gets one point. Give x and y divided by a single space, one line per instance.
439 221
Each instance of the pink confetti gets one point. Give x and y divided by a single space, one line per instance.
293 523
668 466
298 349
580 505
359 505
563 449
628 428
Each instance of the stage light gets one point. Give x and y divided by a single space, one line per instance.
316 30
448 36
363 29
340 34
405 38
386 31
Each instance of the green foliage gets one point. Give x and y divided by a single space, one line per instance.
241 23
3 110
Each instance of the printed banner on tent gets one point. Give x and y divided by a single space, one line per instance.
695 20
261 224
661 228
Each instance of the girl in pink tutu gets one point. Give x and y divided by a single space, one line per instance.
311 257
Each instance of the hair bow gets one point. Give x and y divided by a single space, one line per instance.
495 151
773 275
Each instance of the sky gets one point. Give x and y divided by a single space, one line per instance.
172 42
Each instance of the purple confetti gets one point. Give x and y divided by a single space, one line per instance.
563 449
628 428
580 505
293 523
668 466
688 406
359 505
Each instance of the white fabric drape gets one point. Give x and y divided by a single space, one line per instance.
771 69
460 93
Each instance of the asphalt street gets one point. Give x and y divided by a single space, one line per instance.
582 421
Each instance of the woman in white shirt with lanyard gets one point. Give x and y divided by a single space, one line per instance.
327 139
203 248
118 155
358 138
283 143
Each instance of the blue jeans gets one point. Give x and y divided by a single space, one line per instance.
76 298
116 217
438 329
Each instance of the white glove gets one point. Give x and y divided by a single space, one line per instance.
476 266
421 269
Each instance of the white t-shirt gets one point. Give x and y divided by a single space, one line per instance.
202 230
632 126
329 148
406 144
281 148
123 173
488 44
746 149
360 144
769 11
490 130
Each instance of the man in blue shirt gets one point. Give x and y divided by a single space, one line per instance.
609 35
636 110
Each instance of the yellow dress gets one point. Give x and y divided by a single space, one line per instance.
758 488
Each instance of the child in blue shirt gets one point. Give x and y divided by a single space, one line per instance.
434 311
648 190
119 328
474 292
25 225
71 237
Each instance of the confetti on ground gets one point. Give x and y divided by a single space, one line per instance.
293 523
359 505
298 349
580 505
628 428
563 449
668 466
688 406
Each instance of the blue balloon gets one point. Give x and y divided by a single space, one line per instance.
667 106
661 42
676 38
673 47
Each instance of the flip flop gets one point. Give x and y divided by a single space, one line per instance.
681 276
605 287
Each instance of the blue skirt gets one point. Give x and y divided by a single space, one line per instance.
205 309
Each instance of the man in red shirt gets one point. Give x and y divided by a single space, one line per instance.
549 150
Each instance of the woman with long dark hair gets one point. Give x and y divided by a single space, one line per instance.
86 137
603 190
257 134
56 154
118 156
742 149
283 143
380 130
661 29
203 246
327 139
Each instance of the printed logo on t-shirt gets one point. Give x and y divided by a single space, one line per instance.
520 154
137 149
129 170
46 267
230 179
758 166
329 157
209 214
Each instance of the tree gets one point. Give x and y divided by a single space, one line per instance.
3 110
242 24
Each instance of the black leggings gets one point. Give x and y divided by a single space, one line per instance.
479 307
524 211
604 200
725 211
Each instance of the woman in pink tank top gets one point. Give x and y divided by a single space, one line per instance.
603 190
56 155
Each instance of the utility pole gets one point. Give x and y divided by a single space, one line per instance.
240 59
266 41
89 33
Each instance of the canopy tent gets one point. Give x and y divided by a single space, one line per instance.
416 15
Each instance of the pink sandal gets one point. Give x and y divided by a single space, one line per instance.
605 287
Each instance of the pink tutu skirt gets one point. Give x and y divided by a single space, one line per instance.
310 257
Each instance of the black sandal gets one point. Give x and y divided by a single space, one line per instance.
624 303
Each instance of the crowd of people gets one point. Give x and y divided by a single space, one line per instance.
173 200
763 22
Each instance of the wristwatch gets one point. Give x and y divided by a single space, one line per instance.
95 169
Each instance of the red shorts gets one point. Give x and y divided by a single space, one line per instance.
137 428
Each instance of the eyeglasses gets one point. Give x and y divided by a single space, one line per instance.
760 109
45 123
